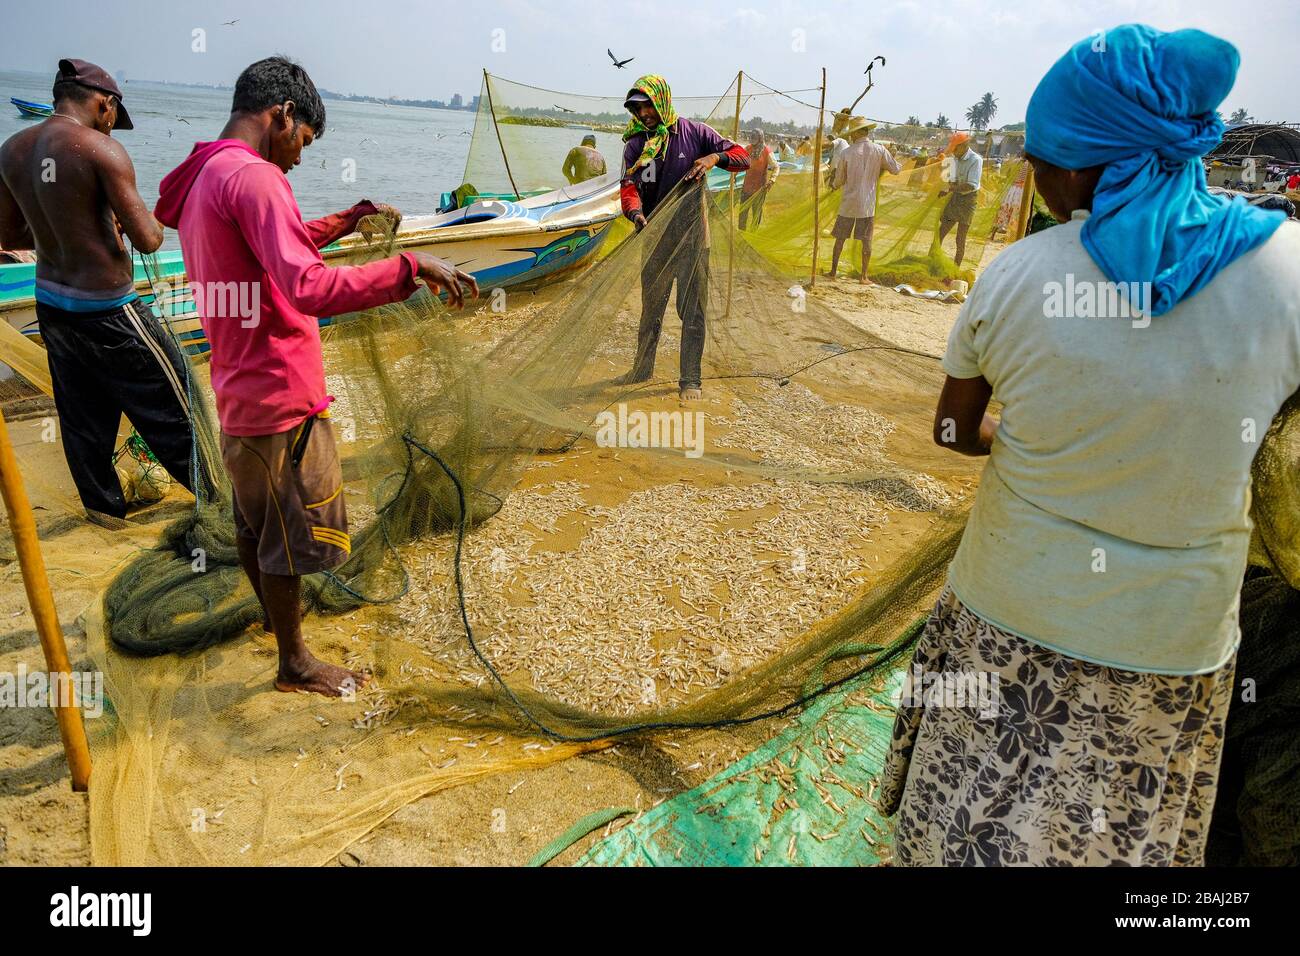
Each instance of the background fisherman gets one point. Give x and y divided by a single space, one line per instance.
663 150
963 172
857 172
584 162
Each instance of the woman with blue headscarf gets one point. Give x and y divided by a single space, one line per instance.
1140 351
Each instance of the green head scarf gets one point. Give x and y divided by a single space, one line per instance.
655 87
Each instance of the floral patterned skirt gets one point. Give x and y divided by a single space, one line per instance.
1062 763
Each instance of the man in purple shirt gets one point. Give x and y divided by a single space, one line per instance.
663 150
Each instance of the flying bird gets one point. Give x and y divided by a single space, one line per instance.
617 62
230 23
563 109
182 119
368 140
871 82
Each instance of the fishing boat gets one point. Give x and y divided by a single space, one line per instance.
30 110
504 243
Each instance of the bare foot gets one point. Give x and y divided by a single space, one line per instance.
690 394
314 676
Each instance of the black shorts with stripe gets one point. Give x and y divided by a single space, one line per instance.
105 365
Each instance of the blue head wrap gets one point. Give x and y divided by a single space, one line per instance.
1143 103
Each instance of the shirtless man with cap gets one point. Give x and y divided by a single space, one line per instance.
67 189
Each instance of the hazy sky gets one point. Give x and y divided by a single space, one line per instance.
943 54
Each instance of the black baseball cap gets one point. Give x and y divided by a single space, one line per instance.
635 97
96 78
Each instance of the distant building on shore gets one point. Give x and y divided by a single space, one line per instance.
1253 154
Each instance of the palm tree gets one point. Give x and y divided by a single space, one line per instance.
942 122
981 114
913 121
990 107
1239 115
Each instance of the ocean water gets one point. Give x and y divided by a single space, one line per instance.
405 156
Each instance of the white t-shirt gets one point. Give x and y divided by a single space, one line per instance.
1111 523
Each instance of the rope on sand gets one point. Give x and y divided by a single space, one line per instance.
592 821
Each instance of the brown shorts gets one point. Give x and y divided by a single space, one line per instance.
846 227
296 514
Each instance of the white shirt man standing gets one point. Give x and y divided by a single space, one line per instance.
857 170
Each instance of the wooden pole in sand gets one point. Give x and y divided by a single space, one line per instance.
817 183
37 584
1026 202
487 86
731 202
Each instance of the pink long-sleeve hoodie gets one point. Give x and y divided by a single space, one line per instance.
239 223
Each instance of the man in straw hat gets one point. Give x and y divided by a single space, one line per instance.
962 170
857 170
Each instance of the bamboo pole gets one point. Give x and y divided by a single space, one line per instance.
1026 202
487 86
817 184
26 358
71 729
731 202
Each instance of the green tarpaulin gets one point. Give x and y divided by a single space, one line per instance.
805 798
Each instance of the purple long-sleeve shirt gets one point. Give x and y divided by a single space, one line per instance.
688 140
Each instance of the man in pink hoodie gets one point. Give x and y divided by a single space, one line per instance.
259 283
